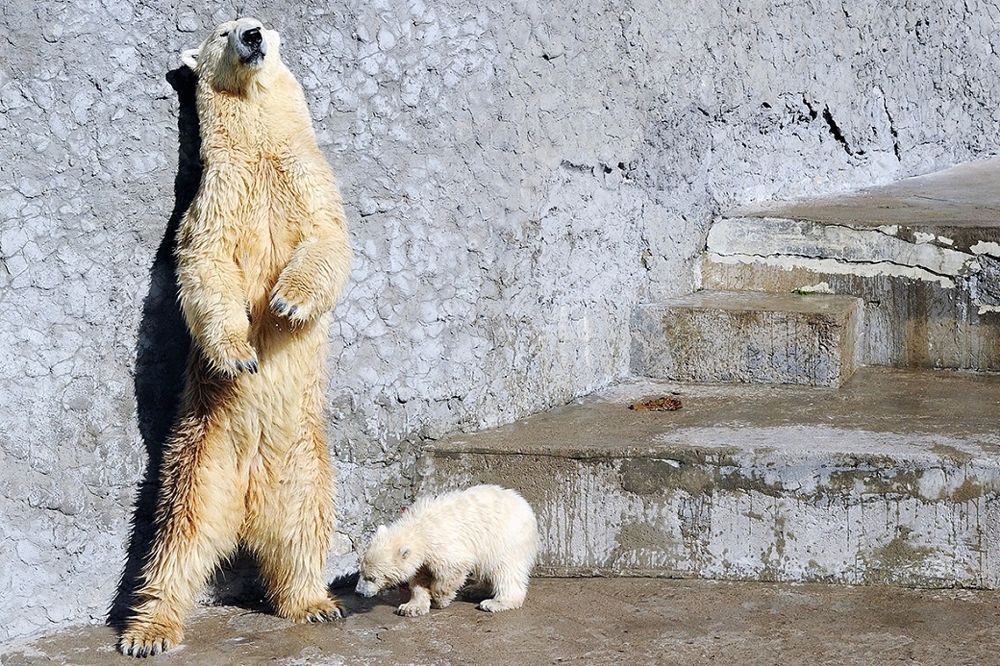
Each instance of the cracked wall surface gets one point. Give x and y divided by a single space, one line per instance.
518 177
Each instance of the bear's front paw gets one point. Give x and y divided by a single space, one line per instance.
413 609
143 639
291 304
236 357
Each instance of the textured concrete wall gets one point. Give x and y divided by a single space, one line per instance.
518 177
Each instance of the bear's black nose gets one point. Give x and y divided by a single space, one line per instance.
251 38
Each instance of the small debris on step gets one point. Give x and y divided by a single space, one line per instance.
667 403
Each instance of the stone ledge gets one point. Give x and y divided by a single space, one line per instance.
892 479
748 337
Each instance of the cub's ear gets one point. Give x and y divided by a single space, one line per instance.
404 552
190 58
380 530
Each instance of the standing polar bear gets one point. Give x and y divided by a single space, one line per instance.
487 532
262 257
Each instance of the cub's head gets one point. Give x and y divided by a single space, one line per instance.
388 562
235 54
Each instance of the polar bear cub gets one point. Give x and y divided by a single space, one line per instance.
486 532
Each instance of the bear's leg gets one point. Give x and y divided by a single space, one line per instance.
477 590
445 587
199 512
420 595
510 587
290 524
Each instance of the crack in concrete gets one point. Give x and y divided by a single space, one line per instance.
837 248
837 266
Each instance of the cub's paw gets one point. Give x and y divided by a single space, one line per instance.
443 599
412 609
291 303
494 606
143 639
236 356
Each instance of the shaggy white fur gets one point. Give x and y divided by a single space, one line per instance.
485 532
262 257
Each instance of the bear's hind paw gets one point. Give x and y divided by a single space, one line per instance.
326 610
147 639
325 615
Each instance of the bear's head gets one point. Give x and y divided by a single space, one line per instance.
387 563
235 54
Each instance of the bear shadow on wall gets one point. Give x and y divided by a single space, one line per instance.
161 347
160 358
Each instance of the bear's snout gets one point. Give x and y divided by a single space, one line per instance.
252 38
250 45
366 588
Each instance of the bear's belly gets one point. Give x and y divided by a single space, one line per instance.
286 393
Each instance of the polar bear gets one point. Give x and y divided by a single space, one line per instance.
486 532
262 257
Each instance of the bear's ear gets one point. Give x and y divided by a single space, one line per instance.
404 552
380 530
190 58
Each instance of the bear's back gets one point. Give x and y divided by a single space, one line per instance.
479 507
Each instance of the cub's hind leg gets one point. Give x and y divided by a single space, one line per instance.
510 587
446 585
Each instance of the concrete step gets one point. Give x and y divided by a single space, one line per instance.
583 621
922 254
748 337
890 479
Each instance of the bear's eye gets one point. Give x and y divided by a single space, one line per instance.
369 579
224 34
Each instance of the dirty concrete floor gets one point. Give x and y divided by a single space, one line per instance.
591 621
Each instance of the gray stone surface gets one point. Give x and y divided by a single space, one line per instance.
518 177
588 621
890 479
923 254
748 337
966 196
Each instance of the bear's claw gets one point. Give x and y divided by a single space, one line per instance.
328 615
148 639
234 355
321 610
295 309
249 365
143 650
282 307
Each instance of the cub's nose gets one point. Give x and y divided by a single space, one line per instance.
251 38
